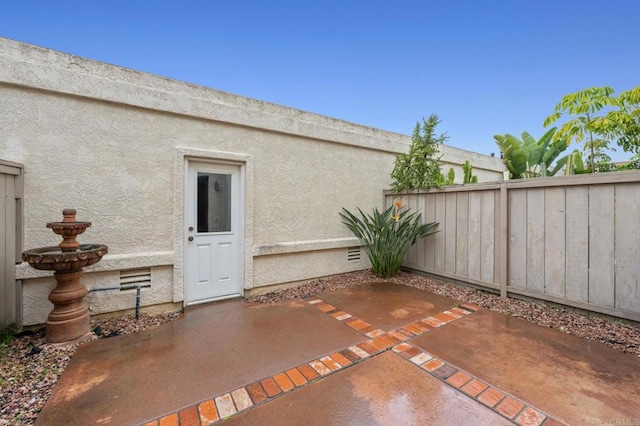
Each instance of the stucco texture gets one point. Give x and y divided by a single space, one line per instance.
103 140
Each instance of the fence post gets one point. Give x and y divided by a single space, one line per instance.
503 238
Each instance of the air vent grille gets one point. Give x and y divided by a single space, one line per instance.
134 277
353 254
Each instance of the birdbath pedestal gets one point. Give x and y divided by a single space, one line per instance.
69 319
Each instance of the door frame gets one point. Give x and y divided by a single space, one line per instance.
236 228
183 157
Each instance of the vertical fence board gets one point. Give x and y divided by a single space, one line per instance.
573 240
535 240
554 241
627 247
462 232
439 237
577 243
518 238
418 247
410 203
4 241
501 239
450 232
601 245
475 235
429 242
487 236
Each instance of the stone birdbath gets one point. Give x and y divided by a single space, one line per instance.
69 319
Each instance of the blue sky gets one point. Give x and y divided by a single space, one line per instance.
485 67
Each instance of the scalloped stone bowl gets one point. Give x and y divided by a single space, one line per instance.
56 259
69 319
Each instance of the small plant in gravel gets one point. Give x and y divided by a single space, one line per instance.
29 367
7 334
387 236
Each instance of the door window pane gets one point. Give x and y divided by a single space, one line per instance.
214 202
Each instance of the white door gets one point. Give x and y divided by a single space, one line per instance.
213 221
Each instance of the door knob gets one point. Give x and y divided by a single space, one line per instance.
190 238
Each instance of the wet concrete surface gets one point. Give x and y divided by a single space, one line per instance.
215 348
220 347
383 390
388 306
577 381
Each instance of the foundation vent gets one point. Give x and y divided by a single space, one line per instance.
353 254
134 277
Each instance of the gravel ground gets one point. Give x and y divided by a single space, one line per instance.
623 337
29 368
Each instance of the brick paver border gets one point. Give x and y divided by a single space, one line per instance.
496 399
262 391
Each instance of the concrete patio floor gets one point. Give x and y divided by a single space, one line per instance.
375 354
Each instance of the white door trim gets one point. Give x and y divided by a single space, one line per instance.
213 263
181 157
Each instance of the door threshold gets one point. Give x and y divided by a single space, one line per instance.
214 299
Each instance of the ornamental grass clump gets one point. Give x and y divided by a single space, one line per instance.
387 236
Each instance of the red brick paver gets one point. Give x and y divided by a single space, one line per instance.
474 387
296 377
325 307
208 412
509 407
358 324
308 372
491 397
459 379
331 363
283 381
444 317
170 420
341 359
433 365
402 332
367 347
530 417
350 355
256 392
270 387
470 306
189 417
410 353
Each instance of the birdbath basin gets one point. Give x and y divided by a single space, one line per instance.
69 319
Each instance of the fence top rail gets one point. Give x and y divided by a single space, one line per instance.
572 180
575 180
10 168
484 186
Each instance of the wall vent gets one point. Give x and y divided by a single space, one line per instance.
353 254
134 277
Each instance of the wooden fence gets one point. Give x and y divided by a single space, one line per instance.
10 241
573 240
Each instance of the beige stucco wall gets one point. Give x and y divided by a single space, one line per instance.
112 143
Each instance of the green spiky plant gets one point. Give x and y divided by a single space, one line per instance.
387 236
